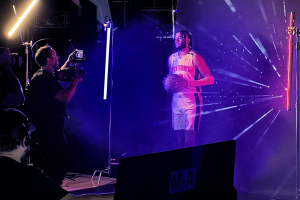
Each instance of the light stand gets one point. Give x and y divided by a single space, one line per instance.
109 50
26 44
292 31
296 31
174 11
297 116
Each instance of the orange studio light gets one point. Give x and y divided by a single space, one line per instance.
22 17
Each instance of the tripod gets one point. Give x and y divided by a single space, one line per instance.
297 32
26 44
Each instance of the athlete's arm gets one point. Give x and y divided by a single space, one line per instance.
169 64
169 67
200 63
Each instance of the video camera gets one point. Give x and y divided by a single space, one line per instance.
79 57
68 75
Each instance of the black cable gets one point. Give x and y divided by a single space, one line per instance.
73 176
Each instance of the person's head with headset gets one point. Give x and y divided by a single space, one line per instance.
14 133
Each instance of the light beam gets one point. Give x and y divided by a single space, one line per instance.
241 43
233 75
246 129
232 8
259 45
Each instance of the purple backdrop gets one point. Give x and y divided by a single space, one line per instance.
245 44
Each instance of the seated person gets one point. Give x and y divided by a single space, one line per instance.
18 181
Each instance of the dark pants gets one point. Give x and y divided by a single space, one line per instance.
51 153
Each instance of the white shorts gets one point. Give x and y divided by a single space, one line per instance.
186 111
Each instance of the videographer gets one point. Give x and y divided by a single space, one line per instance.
46 109
11 92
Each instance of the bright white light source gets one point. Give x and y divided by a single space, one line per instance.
22 18
106 62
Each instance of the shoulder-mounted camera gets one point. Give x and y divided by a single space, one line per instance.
68 75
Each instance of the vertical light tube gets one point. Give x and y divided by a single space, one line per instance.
106 61
297 114
290 62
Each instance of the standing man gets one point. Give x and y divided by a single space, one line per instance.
187 102
46 109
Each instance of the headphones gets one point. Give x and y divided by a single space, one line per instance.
13 119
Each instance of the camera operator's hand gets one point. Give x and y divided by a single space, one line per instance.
78 79
5 58
70 62
71 59
72 56
79 75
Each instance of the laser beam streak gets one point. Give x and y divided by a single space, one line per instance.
232 8
275 47
265 99
217 110
260 139
209 104
275 117
284 9
245 60
239 83
241 43
259 45
246 129
263 11
276 70
233 75
251 65
274 8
